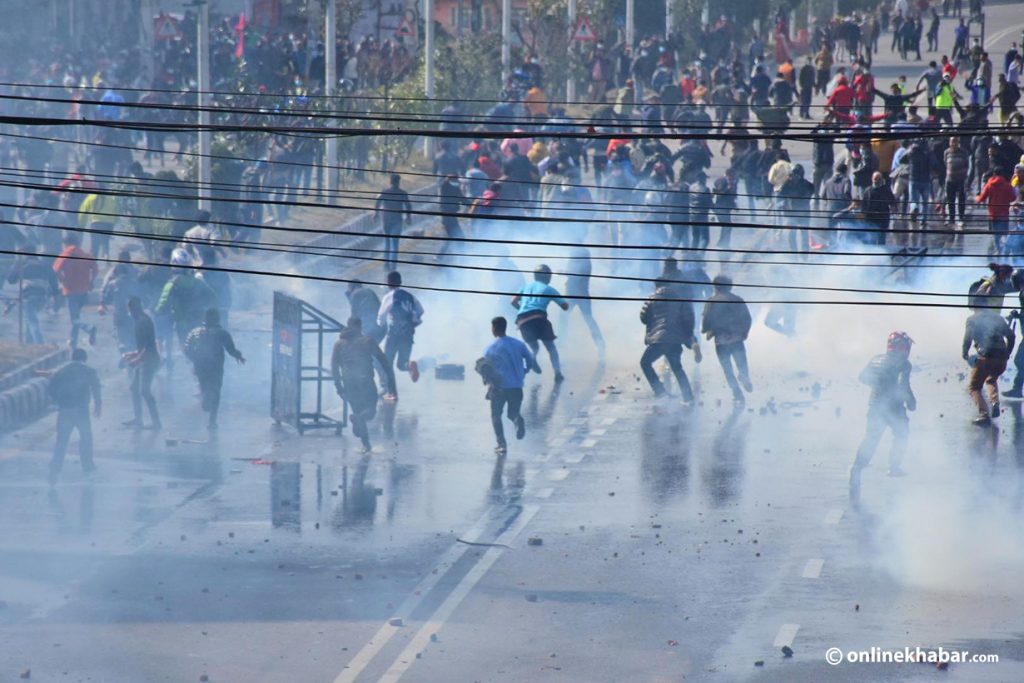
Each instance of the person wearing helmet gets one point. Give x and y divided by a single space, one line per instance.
185 296
891 397
993 341
532 303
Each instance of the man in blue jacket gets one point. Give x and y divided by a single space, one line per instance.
508 361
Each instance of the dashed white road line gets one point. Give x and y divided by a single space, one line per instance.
588 443
834 516
387 631
558 475
575 457
455 598
812 570
545 493
786 635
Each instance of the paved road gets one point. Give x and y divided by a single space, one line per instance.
675 544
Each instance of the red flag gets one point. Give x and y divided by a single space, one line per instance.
240 33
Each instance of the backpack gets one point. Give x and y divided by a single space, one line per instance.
203 346
403 312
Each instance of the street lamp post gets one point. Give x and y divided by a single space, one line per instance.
330 83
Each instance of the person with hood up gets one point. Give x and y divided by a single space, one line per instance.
670 326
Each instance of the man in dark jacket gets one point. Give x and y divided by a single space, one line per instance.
877 205
452 201
837 191
727 321
796 192
205 346
38 284
920 179
823 155
888 375
392 203
806 80
670 326
352 364
993 341
71 387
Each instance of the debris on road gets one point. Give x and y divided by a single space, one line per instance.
787 651
759 662
25 673
396 621
535 540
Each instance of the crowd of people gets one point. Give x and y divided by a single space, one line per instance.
885 164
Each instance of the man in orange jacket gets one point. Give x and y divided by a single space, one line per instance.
76 270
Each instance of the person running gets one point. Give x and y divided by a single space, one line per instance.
76 270
993 341
205 346
670 326
352 364
402 313
185 296
888 375
72 387
37 284
365 305
532 303
392 203
577 285
143 363
727 321
503 367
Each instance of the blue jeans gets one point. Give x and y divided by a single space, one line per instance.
921 197
30 309
727 355
69 420
391 247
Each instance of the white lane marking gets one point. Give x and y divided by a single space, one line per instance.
588 443
996 37
455 598
387 631
575 457
545 493
812 570
558 475
609 421
568 431
834 516
787 632
556 443
598 432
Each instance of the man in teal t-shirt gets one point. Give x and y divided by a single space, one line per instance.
532 303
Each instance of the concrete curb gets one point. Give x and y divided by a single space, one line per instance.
23 395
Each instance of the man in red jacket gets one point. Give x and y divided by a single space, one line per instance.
76 271
841 99
999 194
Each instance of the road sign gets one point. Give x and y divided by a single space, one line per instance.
405 29
165 27
584 32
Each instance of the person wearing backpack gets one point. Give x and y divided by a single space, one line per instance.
993 340
402 313
185 296
205 347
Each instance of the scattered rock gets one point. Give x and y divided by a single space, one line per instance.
759 662
856 608
942 666
787 651
359 577
433 637
535 540
530 597
25 673
673 643
396 621
204 678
